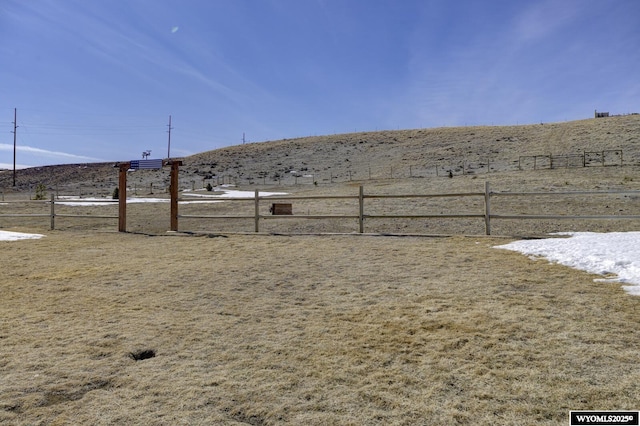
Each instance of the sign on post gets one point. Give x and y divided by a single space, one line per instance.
145 164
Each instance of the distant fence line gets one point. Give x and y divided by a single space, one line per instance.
363 172
612 157
603 158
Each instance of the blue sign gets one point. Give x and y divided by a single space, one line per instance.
146 164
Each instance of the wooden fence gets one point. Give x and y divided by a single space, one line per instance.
611 157
485 213
52 215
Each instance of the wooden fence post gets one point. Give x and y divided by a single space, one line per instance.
53 213
361 209
173 189
487 209
122 197
257 211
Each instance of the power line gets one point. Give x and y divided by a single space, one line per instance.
85 127
15 132
89 132
169 143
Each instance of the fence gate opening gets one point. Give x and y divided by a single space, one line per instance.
148 165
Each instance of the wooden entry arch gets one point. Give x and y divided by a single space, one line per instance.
147 164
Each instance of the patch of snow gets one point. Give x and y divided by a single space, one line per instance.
15 236
213 197
233 193
614 253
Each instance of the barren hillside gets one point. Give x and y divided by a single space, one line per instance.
422 149
368 155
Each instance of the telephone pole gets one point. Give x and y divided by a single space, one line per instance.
169 144
15 131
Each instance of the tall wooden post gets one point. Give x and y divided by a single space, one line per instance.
53 212
361 210
257 211
122 197
487 208
173 189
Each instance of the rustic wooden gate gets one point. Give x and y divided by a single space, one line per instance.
150 165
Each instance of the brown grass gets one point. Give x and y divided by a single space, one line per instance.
305 330
261 330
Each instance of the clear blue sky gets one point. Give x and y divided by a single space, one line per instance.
96 80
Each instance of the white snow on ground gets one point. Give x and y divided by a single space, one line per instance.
233 193
89 201
210 198
614 253
15 236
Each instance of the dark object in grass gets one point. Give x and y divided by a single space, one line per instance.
143 354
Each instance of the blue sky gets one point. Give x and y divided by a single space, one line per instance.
96 80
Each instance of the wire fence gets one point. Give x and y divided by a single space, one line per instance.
363 172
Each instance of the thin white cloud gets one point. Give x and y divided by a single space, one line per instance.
147 55
7 166
510 72
543 19
46 153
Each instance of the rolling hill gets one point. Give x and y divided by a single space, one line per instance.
368 155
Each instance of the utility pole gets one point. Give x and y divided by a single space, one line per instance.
242 138
169 144
15 127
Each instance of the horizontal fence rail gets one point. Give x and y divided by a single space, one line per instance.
363 210
52 215
486 214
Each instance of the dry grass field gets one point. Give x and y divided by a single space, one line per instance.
269 329
305 330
